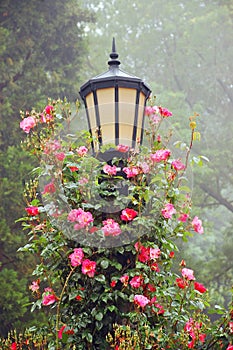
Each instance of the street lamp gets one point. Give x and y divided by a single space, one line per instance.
115 103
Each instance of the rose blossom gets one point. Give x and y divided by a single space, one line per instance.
32 211
171 254
82 150
124 279
165 112
27 124
150 110
48 297
181 283
14 346
155 253
49 188
197 225
168 211
128 214
188 274
144 254
113 283
136 281
178 165
73 214
83 220
83 181
160 155
154 267
34 286
52 146
76 257
199 287
131 171
73 168
49 109
141 300
122 148
88 267
110 170
144 167
81 217
161 309
60 156
230 347
60 332
183 217
111 228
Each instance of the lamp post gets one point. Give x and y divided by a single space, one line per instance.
114 103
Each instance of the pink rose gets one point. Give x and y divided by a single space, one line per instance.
82 150
34 286
80 217
122 148
168 211
76 257
27 124
188 274
143 167
230 324
197 225
124 279
136 281
141 300
131 172
160 155
52 146
110 170
165 112
230 347
149 110
183 217
60 156
88 267
111 228
128 214
32 211
48 297
178 165
155 253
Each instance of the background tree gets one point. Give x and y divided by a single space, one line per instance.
43 44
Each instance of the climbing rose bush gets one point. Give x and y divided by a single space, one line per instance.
134 295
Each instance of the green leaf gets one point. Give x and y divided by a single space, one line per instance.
99 316
100 278
104 263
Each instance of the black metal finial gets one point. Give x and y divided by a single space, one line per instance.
114 55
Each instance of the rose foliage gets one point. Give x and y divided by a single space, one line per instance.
109 279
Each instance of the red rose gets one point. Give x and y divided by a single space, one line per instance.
199 287
32 211
128 214
181 283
